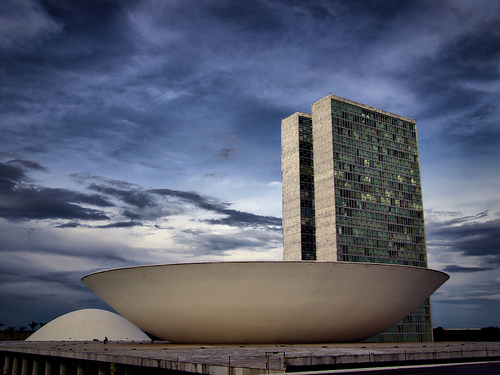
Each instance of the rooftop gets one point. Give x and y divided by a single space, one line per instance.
253 359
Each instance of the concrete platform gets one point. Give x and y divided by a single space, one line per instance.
82 358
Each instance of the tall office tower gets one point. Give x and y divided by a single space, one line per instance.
365 204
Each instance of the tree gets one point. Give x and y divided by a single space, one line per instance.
10 330
490 334
22 329
33 325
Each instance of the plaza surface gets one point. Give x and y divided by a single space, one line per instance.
243 359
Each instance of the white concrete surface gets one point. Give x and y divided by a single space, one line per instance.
265 302
87 325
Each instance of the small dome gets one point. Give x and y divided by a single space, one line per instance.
88 325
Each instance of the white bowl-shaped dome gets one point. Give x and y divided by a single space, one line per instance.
265 302
87 325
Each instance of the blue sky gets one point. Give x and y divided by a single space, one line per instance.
141 132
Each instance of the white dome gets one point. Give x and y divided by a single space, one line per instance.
87 325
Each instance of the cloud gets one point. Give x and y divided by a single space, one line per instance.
144 208
9 175
238 218
71 224
27 164
472 55
464 219
23 201
53 294
28 202
437 212
469 236
232 217
209 242
122 224
133 197
457 268
452 78
64 247
68 279
23 24
226 152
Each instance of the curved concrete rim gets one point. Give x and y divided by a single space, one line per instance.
254 262
265 302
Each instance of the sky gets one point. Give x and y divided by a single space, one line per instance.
148 132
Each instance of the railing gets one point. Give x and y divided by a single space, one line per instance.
406 356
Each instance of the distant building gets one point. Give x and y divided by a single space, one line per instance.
352 193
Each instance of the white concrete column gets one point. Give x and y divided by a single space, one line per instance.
103 368
80 370
16 366
48 366
63 367
25 366
35 370
7 366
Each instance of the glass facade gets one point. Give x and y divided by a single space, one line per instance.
416 327
307 221
378 199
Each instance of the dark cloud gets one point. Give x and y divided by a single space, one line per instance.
77 17
71 224
201 242
464 219
239 218
454 86
456 268
226 153
254 19
93 33
121 224
25 25
443 212
42 244
192 198
68 279
9 176
468 237
28 164
472 56
27 202
156 54
53 294
134 197
129 214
